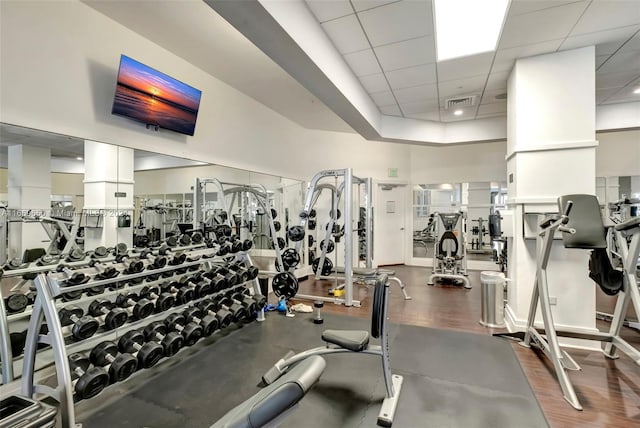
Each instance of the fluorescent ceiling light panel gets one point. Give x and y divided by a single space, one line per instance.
467 27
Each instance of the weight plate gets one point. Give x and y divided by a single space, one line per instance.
284 284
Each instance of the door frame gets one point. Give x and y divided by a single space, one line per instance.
378 206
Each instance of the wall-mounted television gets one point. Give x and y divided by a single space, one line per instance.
153 98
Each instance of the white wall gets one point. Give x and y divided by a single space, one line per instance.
618 153
59 64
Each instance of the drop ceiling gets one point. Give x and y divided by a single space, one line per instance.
390 47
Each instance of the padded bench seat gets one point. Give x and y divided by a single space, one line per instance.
275 399
629 224
353 340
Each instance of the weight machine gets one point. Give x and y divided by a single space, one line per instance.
450 254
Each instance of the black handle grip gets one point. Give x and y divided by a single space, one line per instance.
567 209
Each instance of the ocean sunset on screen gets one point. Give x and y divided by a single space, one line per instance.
151 97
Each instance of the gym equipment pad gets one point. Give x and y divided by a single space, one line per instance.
451 379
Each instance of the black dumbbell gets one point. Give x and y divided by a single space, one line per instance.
121 366
95 290
99 253
155 262
238 312
196 238
165 250
148 354
209 323
73 277
163 301
231 277
130 264
75 255
103 271
253 272
171 341
182 294
224 249
17 341
246 301
115 317
200 286
71 295
241 271
191 332
224 317
218 282
83 326
16 303
89 382
247 244
139 307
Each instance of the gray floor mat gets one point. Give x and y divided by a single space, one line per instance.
449 381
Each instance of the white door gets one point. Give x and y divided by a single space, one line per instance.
389 219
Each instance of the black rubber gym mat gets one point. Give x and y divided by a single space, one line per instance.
451 379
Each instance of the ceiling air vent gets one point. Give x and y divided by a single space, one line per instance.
459 102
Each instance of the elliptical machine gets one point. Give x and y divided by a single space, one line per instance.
450 254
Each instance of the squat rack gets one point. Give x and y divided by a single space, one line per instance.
343 189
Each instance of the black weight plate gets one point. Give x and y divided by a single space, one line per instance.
284 284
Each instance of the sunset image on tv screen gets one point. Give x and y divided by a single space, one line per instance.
154 98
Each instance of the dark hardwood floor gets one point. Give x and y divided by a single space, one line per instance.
609 390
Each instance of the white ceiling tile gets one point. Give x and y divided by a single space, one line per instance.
625 94
607 14
603 94
417 93
497 80
489 96
374 83
632 45
468 66
361 5
346 34
384 98
493 108
406 54
392 110
505 58
616 80
600 59
325 10
629 60
606 42
419 107
469 86
363 62
540 26
412 76
397 21
433 115
519 7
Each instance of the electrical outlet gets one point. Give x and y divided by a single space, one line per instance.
553 300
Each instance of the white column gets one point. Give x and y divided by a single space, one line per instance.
29 189
108 186
550 151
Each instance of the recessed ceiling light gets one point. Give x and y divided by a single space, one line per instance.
467 27
458 112
636 91
79 158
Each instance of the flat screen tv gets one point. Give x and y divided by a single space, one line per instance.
153 98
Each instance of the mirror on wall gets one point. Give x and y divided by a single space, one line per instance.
155 199
478 203
619 196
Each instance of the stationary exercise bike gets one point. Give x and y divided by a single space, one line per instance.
450 254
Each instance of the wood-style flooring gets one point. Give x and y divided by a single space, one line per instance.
609 390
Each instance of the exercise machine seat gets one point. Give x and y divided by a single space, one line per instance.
353 340
446 237
275 399
629 224
585 217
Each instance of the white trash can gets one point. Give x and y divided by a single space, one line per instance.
492 296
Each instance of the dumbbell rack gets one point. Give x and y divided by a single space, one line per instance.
45 309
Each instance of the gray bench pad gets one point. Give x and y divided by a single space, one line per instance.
629 224
276 398
353 340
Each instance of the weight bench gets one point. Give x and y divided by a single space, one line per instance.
356 342
368 276
270 406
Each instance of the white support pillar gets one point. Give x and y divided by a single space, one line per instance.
29 189
108 186
550 151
